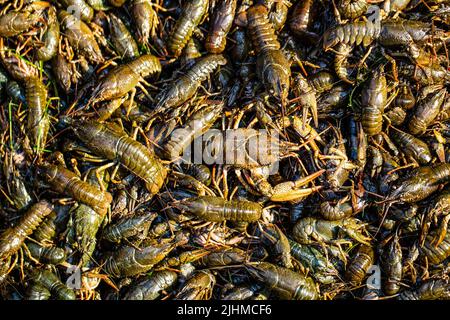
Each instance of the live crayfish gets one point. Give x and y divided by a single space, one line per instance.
230 149
114 145
125 78
13 238
286 283
192 14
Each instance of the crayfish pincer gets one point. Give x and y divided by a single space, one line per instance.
421 183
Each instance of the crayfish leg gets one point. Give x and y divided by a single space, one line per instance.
441 232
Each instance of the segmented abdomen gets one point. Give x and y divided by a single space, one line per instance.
53 284
437 254
202 69
374 99
138 159
51 38
191 16
145 65
11 239
352 9
372 118
432 289
186 86
38 121
217 209
261 30
220 26
49 255
181 138
46 231
335 212
150 288
223 258
118 146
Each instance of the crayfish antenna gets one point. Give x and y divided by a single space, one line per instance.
385 212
